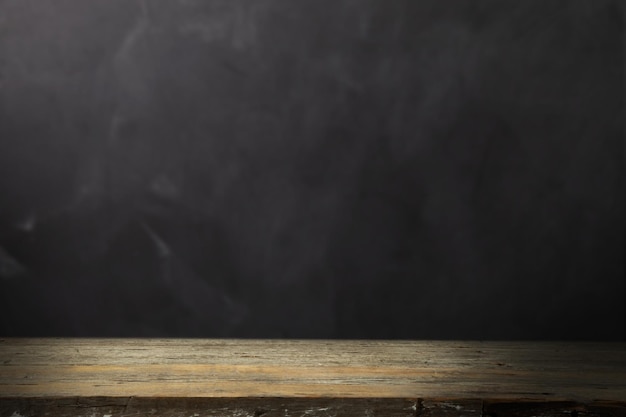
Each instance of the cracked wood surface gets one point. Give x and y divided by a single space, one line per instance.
435 378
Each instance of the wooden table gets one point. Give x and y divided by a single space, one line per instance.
199 377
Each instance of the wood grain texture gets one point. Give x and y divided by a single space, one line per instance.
263 377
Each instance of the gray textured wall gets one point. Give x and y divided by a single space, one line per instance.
312 168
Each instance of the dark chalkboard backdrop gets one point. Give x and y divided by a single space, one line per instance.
312 168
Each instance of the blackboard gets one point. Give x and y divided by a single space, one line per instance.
312 169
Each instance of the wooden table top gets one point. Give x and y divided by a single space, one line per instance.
411 373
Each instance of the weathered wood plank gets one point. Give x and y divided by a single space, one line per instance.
208 407
296 377
449 407
305 407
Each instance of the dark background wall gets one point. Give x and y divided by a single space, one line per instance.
312 168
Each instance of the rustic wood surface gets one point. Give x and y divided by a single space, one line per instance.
294 377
